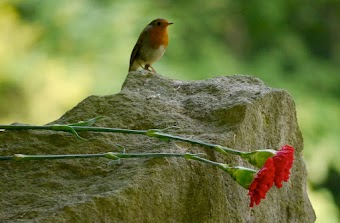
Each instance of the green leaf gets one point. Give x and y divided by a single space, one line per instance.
66 128
89 122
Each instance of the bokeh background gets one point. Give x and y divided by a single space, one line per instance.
53 54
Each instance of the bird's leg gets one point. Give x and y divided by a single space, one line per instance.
141 65
147 68
153 70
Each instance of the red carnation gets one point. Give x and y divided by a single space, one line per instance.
262 182
283 161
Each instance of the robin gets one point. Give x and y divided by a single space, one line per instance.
150 45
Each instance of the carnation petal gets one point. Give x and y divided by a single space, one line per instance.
283 161
263 181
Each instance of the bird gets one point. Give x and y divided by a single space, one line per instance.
150 46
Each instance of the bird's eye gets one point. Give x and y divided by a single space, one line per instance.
158 23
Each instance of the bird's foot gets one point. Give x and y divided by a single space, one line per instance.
147 66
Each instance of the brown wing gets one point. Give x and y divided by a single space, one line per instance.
134 53
136 49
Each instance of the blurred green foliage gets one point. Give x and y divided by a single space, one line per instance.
55 53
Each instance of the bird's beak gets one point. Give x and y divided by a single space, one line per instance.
170 23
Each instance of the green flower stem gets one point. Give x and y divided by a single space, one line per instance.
109 155
151 133
26 127
22 157
65 128
69 128
243 176
209 162
148 155
218 148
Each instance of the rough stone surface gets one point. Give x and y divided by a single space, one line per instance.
240 112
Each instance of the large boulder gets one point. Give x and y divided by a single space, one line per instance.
238 111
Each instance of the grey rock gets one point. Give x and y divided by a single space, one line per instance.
240 112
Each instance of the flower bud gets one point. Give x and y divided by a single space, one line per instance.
258 157
242 175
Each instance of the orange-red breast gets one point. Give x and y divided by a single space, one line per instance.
150 45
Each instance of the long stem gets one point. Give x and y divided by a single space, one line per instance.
210 162
151 133
65 128
109 155
218 148
114 156
222 166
